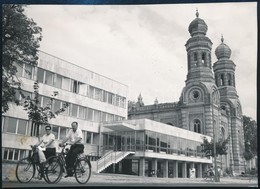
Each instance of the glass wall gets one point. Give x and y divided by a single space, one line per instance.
151 142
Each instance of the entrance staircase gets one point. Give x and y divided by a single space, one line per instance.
108 159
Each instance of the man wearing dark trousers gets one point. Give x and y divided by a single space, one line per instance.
74 137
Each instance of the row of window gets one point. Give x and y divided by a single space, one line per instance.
13 154
220 81
205 58
22 127
73 110
65 83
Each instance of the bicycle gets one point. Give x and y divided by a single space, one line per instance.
207 175
81 168
26 167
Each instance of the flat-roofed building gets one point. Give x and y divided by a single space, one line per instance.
148 148
92 98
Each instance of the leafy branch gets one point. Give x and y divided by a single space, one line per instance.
221 147
37 114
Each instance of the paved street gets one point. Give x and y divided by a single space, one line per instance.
109 180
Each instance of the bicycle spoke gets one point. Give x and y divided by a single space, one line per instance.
24 170
82 171
53 170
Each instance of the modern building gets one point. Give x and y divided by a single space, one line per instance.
209 103
162 139
92 99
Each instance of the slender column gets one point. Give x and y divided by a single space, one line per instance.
199 170
175 169
154 166
184 169
165 170
142 166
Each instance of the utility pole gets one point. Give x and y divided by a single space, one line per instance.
214 141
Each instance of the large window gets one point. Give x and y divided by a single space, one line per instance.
151 140
110 98
66 83
97 115
45 101
91 92
90 114
104 96
28 71
74 110
74 86
98 94
88 137
104 116
40 75
58 81
83 88
57 105
12 124
16 126
49 78
81 112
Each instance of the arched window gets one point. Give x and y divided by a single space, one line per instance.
221 79
203 58
229 79
197 126
189 60
195 56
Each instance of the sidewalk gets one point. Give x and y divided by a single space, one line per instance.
103 178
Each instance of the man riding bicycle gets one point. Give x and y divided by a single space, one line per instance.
74 137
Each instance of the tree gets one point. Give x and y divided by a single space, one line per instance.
221 147
20 42
250 136
37 114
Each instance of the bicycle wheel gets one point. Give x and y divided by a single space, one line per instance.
205 176
52 170
25 170
82 170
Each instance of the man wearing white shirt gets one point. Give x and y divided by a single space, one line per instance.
74 137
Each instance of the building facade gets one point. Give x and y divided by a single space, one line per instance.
92 98
209 103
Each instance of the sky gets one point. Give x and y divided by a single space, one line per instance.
143 46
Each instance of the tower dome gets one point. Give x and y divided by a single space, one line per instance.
223 51
198 26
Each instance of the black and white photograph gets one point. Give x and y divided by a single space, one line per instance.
129 95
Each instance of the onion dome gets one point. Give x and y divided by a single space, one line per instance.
198 26
223 51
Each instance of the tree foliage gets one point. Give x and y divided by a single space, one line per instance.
37 114
221 147
250 136
20 42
